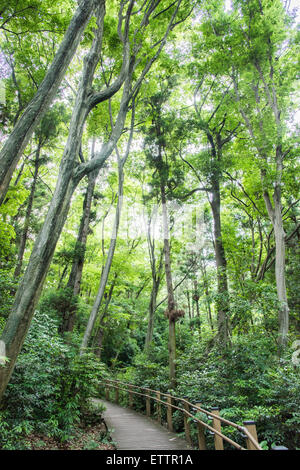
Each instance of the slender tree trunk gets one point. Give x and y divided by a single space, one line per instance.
156 271
275 214
151 310
17 141
189 303
75 277
28 214
100 333
62 276
109 260
171 298
280 274
197 304
207 296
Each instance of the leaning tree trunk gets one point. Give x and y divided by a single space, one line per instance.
28 293
17 141
275 213
103 282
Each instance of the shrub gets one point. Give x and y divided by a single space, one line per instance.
50 387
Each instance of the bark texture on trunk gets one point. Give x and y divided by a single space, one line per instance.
74 281
275 214
222 300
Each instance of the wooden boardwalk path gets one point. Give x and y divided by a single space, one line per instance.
133 431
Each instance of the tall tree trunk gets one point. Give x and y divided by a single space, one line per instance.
170 291
17 141
275 214
280 271
28 213
222 300
74 281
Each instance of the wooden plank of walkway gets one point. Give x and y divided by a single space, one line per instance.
133 431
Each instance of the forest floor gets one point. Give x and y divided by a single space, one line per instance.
84 438
91 437
91 433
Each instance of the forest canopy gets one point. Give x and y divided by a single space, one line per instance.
149 209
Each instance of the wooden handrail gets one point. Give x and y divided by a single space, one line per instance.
248 431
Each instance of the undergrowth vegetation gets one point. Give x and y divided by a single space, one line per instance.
50 389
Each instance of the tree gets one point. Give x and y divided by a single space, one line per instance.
155 147
269 72
131 77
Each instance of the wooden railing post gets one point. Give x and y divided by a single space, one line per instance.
169 413
216 423
117 394
251 427
201 434
148 404
130 397
158 407
187 427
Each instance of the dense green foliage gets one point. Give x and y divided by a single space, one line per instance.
50 388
